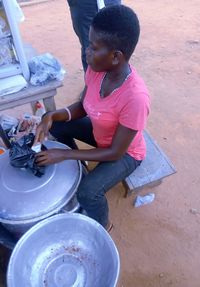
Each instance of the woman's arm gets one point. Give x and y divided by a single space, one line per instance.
121 141
75 111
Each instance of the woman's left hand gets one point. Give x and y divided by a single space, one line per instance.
50 156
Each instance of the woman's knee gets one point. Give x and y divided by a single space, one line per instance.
87 194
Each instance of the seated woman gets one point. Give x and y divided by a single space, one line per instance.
111 115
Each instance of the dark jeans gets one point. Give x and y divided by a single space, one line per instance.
82 13
92 189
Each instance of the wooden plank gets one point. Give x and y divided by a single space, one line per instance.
29 94
155 167
26 100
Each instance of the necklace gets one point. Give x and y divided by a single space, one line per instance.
100 92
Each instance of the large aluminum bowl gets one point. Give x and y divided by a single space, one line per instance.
65 250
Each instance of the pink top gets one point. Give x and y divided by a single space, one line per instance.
128 106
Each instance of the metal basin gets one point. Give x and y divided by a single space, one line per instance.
65 250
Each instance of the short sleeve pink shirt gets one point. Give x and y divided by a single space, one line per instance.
128 106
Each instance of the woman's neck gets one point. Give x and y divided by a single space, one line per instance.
119 73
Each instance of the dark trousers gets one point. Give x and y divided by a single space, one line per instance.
82 13
92 189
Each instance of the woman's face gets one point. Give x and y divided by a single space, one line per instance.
99 57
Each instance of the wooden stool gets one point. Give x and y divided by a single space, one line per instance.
152 170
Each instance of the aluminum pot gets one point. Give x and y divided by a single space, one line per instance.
25 199
65 250
71 207
18 228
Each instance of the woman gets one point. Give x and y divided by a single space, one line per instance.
111 115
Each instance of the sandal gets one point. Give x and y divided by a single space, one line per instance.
109 227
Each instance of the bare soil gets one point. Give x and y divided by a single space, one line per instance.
159 244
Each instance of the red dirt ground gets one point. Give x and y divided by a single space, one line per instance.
159 244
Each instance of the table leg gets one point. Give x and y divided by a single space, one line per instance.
33 107
49 104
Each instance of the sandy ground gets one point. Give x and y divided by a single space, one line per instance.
159 243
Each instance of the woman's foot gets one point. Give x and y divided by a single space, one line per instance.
109 227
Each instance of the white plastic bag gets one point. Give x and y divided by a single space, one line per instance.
45 68
100 4
143 200
8 122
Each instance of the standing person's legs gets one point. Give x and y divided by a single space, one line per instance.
82 14
92 189
66 132
112 2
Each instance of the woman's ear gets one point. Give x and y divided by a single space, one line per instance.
117 57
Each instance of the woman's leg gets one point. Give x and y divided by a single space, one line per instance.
66 132
92 189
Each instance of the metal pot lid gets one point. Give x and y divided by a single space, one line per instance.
24 196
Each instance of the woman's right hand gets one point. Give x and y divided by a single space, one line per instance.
43 128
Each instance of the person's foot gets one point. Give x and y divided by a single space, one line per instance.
109 227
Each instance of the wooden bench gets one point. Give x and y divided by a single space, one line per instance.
152 170
32 94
